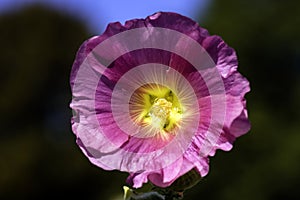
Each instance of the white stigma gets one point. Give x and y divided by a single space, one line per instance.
160 112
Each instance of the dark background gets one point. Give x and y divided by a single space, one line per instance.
38 154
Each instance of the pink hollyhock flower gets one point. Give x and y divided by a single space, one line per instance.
156 97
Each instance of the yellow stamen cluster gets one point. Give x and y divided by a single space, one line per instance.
160 113
156 106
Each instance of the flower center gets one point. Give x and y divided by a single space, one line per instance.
156 106
160 113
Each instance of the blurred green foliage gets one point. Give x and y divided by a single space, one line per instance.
39 157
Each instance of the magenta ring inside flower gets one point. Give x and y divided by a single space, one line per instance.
102 56
145 141
152 73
